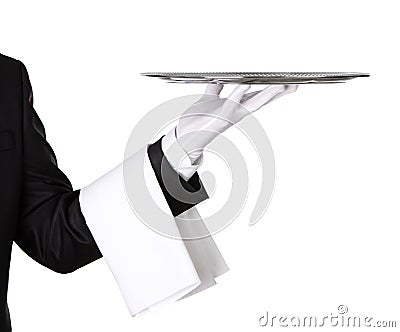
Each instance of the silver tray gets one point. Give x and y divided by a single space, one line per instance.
257 77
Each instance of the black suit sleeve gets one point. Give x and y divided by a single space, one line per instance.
52 229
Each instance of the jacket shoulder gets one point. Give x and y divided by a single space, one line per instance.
8 63
6 58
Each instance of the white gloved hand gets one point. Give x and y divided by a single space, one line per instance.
210 116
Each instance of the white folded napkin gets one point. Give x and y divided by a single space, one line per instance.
150 269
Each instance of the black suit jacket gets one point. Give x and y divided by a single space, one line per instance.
39 209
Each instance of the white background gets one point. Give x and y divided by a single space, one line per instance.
331 234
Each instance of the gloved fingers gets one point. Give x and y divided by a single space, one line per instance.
238 93
211 93
251 94
263 97
288 89
231 106
292 88
214 89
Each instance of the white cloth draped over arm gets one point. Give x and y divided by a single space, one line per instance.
150 269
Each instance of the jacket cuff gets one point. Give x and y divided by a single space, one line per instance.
180 194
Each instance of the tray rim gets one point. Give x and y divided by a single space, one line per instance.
281 77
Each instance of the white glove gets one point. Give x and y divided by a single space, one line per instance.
210 116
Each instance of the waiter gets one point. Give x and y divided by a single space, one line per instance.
61 229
